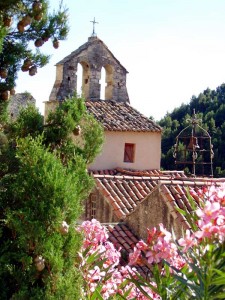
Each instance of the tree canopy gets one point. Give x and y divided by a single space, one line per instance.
43 165
25 25
43 181
210 107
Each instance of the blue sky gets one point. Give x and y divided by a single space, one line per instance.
172 49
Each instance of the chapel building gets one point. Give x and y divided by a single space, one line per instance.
131 192
132 140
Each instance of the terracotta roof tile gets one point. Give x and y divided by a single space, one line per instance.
121 240
115 233
120 214
176 192
115 205
126 246
143 173
120 116
122 237
127 188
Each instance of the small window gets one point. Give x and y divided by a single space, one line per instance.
129 151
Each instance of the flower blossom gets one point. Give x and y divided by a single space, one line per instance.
188 241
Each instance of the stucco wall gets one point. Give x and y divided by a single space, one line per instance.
150 212
147 151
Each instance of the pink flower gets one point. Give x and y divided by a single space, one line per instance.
188 241
167 234
209 212
220 220
134 256
151 234
152 257
141 245
95 274
206 230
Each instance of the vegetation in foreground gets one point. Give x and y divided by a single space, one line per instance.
43 182
189 267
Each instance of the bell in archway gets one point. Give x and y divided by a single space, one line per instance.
193 144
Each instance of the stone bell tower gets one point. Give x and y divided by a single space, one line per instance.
92 56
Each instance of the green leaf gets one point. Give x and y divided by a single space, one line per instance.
181 211
97 295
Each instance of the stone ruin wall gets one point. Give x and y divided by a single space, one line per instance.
18 101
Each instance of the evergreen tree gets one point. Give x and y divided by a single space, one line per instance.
23 23
43 167
210 107
43 181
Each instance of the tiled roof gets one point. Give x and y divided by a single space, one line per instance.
124 192
125 189
121 236
131 172
175 193
120 116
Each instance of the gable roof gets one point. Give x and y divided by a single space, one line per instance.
120 116
176 193
132 172
124 190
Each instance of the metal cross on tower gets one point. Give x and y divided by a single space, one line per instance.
94 22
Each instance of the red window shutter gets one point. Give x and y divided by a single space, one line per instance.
129 153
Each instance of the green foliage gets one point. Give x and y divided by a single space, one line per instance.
39 197
23 22
88 138
29 122
60 125
203 277
210 107
206 280
92 134
43 182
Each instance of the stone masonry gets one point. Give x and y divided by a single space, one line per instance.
19 101
93 56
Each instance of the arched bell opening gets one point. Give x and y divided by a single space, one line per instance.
106 82
85 79
109 82
79 79
102 83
